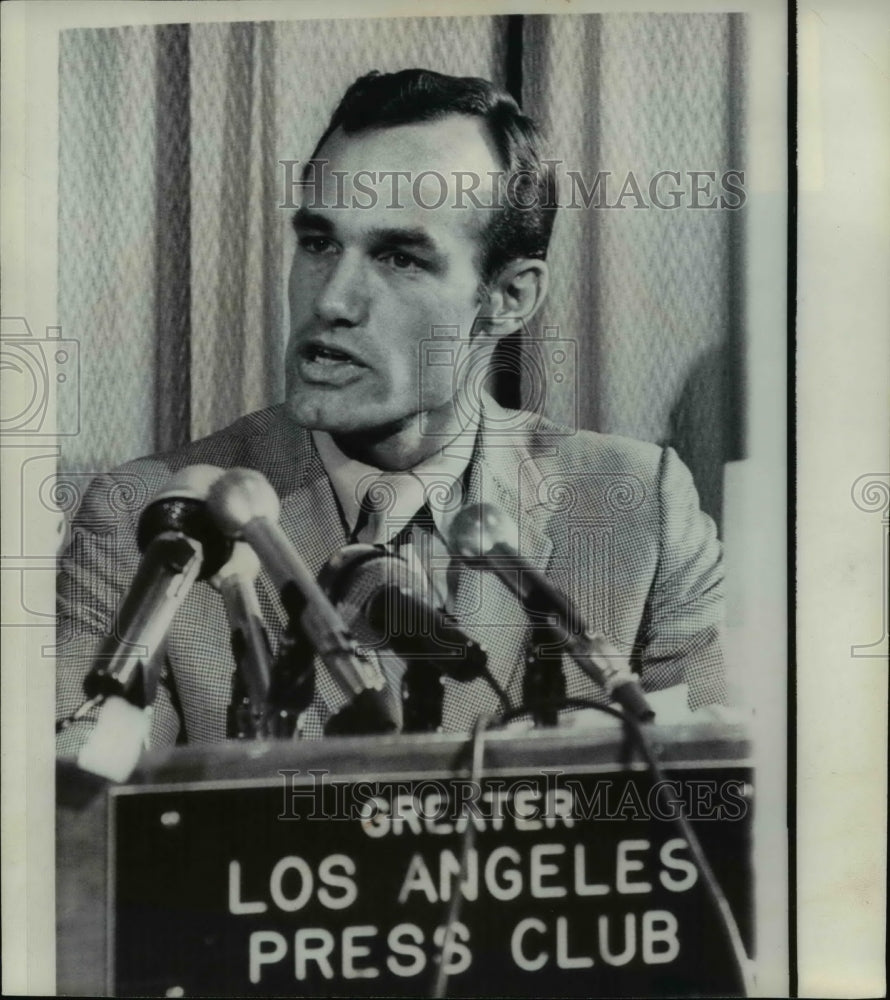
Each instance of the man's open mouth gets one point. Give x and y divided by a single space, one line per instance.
323 365
324 355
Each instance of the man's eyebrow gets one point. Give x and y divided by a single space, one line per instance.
417 239
304 218
414 238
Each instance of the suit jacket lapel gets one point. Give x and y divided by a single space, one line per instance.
310 517
503 473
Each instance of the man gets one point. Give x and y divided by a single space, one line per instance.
404 278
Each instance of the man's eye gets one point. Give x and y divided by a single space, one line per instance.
316 244
401 261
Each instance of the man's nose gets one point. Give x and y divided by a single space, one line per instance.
342 300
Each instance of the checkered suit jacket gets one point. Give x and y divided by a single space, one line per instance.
614 523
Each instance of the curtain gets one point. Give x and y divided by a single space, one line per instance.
649 297
174 250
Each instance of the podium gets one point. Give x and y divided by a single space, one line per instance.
330 867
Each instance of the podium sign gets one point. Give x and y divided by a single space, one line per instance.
319 881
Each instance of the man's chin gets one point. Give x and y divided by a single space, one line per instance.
313 418
340 417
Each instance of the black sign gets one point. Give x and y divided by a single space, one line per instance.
577 884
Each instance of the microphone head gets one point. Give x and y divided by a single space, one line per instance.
335 576
243 564
372 577
241 496
193 482
358 572
181 506
479 529
388 604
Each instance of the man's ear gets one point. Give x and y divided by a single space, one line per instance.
513 296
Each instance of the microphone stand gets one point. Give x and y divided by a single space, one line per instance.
417 632
422 691
544 683
423 696
240 721
292 684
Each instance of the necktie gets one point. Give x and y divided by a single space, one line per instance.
394 513
388 505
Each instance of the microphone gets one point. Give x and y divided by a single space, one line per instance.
245 505
382 598
482 534
235 581
180 544
380 585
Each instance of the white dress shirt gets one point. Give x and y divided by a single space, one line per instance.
438 483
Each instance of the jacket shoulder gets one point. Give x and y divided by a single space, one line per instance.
250 441
559 446
227 447
610 454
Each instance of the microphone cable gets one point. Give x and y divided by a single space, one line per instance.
492 682
85 706
712 886
467 842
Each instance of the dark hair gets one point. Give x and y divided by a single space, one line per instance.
522 226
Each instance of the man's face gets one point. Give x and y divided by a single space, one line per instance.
368 285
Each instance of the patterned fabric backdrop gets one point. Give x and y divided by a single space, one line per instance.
174 251
648 295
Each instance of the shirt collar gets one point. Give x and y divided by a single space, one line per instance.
439 478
